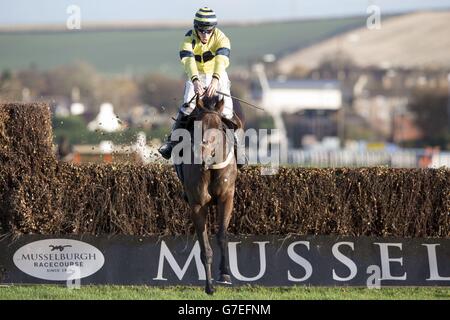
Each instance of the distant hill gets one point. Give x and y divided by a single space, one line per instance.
419 39
112 50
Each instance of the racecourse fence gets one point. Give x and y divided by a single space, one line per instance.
40 195
402 158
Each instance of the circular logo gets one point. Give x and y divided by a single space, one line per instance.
59 259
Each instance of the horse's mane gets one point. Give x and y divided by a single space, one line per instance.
210 103
203 105
213 105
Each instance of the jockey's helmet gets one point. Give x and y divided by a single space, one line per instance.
205 19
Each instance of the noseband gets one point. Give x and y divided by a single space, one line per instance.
223 128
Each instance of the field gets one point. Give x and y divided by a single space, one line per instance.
390 43
239 293
139 51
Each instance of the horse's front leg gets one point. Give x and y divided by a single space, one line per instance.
224 210
199 218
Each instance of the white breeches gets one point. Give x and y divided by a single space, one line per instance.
224 86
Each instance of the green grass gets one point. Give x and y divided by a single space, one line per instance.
157 50
222 293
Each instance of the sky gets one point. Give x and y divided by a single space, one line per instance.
54 11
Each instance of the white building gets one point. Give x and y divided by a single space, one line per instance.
106 120
291 96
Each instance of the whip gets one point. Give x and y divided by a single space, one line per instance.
241 100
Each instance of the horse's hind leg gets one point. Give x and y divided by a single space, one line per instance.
199 218
224 210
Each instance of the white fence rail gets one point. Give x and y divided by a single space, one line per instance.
405 158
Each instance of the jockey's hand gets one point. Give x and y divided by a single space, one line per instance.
198 87
212 87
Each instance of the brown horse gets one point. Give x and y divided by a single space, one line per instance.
212 182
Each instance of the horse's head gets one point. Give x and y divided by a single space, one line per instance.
209 113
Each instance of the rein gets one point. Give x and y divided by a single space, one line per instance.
223 128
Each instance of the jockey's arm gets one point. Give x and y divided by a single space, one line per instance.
188 59
221 62
222 58
198 87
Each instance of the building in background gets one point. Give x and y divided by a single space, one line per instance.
106 120
315 102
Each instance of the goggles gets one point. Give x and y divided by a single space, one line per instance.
205 31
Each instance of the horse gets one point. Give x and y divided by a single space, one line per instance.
211 182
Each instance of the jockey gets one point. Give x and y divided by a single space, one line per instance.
204 53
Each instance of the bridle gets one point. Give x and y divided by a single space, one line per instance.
222 127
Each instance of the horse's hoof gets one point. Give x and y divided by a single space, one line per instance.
224 279
209 290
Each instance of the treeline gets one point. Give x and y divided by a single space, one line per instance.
123 91
81 82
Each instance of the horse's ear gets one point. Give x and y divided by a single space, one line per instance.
219 105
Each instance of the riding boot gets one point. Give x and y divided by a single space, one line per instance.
241 159
166 148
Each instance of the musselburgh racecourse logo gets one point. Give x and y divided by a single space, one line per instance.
58 259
